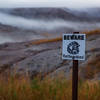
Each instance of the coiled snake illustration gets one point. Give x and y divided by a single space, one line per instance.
73 48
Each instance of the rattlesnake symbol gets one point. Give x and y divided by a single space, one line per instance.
73 48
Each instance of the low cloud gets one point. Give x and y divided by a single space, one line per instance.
36 24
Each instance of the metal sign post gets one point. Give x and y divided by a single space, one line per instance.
74 49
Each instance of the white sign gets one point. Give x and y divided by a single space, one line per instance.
74 46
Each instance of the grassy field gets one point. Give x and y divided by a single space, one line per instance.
14 88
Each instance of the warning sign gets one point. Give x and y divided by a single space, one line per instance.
74 46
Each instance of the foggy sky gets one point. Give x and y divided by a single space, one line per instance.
50 3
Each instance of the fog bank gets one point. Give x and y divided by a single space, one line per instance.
39 24
53 26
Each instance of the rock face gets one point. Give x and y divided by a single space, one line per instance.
44 59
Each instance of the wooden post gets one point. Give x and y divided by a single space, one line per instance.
75 78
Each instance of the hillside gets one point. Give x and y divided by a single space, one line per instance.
43 13
41 23
58 13
88 14
44 56
30 38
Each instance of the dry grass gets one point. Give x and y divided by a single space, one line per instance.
89 91
46 41
48 89
41 41
93 32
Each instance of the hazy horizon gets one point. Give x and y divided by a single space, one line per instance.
50 3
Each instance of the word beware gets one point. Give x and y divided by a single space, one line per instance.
73 37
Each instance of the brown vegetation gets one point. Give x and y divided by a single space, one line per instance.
58 88
93 32
41 41
46 41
